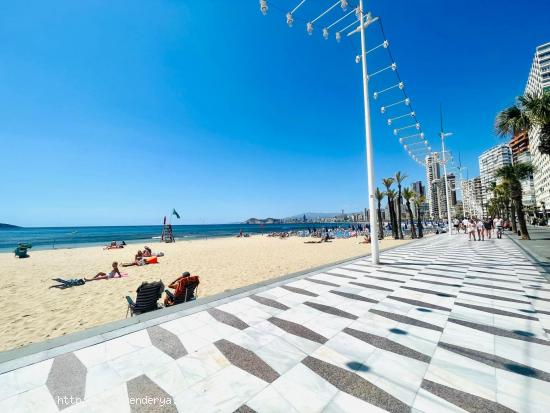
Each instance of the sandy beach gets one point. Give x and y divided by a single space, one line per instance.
32 312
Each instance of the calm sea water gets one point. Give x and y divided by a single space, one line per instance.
64 237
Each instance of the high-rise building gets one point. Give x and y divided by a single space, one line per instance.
490 162
418 188
433 174
441 195
537 84
472 198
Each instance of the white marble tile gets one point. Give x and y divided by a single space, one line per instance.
170 378
228 390
462 373
255 315
280 355
97 354
201 364
350 347
270 401
344 403
101 377
114 399
38 399
33 376
430 403
8 385
192 342
521 393
469 338
398 375
523 352
304 389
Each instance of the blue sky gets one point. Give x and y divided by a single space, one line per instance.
115 112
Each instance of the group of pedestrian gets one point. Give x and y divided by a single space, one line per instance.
484 228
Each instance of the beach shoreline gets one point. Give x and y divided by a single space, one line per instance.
35 312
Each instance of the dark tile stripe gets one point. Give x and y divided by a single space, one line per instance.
500 332
356 270
374 287
355 385
387 344
406 320
495 297
465 401
299 291
331 310
340 275
227 318
497 362
313 280
167 342
67 378
395 273
297 330
543 312
496 311
436 282
143 387
445 269
493 287
418 303
439 275
269 302
386 279
534 297
354 296
247 360
493 279
421 290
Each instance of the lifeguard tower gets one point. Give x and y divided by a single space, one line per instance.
167 232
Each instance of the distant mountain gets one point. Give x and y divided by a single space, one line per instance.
256 221
8 226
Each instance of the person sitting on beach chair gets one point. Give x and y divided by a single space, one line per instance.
184 287
105 276
147 297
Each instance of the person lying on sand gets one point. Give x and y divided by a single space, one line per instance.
138 260
180 285
105 276
113 245
147 252
324 238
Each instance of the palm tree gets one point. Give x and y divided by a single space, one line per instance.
399 178
418 201
513 175
408 194
379 195
529 111
390 194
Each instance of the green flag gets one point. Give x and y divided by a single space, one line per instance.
174 212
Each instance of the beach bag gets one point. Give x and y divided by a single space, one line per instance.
152 260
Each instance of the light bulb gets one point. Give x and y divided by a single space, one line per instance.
405 146
358 59
393 67
344 4
400 140
382 109
375 95
325 33
309 28
417 126
389 122
386 44
421 134
413 114
263 7
338 37
395 132
425 142
289 19
407 101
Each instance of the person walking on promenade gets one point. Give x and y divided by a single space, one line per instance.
480 228
488 224
471 228
498 226
456 224
465 223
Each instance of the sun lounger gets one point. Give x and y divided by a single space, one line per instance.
146 299
190 294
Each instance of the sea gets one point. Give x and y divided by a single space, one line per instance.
71 237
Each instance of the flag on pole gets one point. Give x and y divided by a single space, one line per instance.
174 212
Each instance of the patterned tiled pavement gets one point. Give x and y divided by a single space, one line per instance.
444 325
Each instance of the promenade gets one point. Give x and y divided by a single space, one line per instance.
444 325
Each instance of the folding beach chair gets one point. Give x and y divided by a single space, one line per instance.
191 293
146 298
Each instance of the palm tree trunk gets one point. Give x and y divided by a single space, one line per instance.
513 217
419 222
393 219
521 219
380 225
411 219
399 201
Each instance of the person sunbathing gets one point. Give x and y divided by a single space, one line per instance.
147 252
366 240
138 260
182 293
113 245
106 276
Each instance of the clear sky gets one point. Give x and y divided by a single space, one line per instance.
115 112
